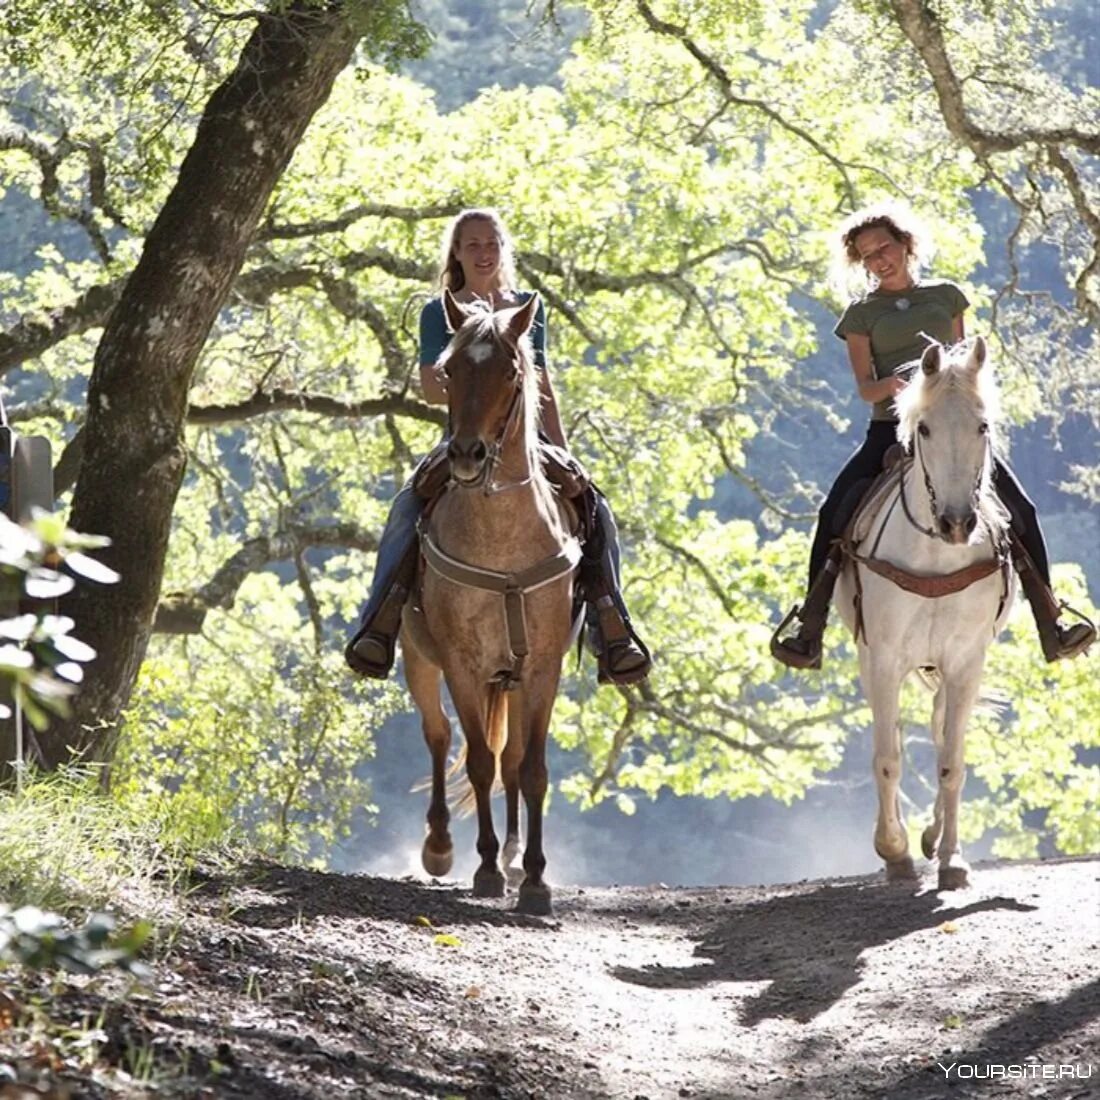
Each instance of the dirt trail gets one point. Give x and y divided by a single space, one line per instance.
297 984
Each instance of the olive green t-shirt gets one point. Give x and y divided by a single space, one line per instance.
900 324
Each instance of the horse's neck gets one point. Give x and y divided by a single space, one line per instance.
904 538
516 514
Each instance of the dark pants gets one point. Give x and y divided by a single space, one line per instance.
866 463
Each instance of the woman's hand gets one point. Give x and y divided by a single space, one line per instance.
434 384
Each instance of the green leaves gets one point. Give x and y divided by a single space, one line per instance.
40 660
43 941
672 194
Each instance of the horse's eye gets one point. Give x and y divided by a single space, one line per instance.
923 429
983 427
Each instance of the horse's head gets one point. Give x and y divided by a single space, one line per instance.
488 369
947 419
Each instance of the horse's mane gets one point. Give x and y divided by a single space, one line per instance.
953 381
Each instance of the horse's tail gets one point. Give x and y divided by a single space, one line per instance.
463 799
991 701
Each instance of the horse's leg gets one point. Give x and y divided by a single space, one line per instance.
423 679
478 712
954 871
509 774
534 894
882 685
930 838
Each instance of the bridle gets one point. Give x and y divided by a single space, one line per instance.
484 480
975 494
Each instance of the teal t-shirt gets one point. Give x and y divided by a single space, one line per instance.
434 336
900 324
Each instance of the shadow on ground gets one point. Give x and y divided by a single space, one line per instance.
808 945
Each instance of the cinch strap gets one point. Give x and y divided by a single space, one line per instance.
512 586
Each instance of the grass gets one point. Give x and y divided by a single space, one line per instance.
67 847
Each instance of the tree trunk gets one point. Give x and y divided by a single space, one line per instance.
134 454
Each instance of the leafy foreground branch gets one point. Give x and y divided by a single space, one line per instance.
73 972
44 941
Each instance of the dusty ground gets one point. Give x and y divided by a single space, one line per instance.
288 984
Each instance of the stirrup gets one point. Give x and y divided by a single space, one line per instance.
609 653
378 637
786 653
1072 640
379 664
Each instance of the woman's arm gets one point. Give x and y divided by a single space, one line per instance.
433 383
871 389
549 417
434 338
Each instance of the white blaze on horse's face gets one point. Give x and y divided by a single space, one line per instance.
951 441
480 351
484 368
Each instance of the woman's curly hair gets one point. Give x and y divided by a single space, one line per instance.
899 221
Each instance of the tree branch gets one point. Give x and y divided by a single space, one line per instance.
185 612
272 230
35 333
920 25
719 75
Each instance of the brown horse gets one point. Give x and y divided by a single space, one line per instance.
494 616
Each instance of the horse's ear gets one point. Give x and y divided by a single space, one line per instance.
976 360
523 317
930 360
453 312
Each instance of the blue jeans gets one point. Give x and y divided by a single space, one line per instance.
400 533
398 539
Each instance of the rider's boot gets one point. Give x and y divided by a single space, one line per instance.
621 655
803 648
373 647
1057 641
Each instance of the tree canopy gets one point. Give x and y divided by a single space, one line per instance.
672 194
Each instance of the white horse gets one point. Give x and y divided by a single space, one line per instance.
928 586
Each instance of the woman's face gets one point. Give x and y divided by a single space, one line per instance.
477 250
884 257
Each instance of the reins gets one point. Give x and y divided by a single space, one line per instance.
485 480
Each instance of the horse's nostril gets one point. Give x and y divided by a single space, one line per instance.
478 451
971 523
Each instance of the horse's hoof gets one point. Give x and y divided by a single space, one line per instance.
534 901
488 884
437 864
928 841
894 850
515 875
954 876
901 870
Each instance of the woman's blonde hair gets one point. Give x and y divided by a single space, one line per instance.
450 270
900 222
